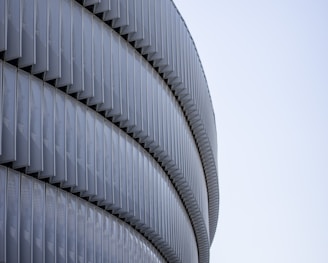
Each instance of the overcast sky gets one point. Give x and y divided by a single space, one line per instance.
266 64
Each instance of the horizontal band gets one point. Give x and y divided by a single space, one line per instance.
51 135
41 223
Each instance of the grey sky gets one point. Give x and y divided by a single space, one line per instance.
267 67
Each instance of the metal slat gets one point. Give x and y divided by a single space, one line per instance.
28 34
48 105
97 50
26 220
8 137
77 38
14 30
107 105
38 221
23 124
36 127
54 41
66 54
71 143
88 73
42 36
13 217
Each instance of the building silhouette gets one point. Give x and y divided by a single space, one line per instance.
108 138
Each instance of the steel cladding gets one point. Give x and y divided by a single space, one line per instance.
108 140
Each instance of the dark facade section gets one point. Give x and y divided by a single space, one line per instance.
108 141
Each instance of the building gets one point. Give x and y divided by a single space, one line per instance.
108 139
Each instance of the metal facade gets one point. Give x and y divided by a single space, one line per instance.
107 134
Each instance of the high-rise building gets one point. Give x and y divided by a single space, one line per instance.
108 138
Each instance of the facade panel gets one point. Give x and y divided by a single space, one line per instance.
108 101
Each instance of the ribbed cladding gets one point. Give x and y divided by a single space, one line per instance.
53 136
165 41
91 86
90 90
47 224
202 123
56 69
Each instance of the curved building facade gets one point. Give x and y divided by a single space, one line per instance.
107 134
